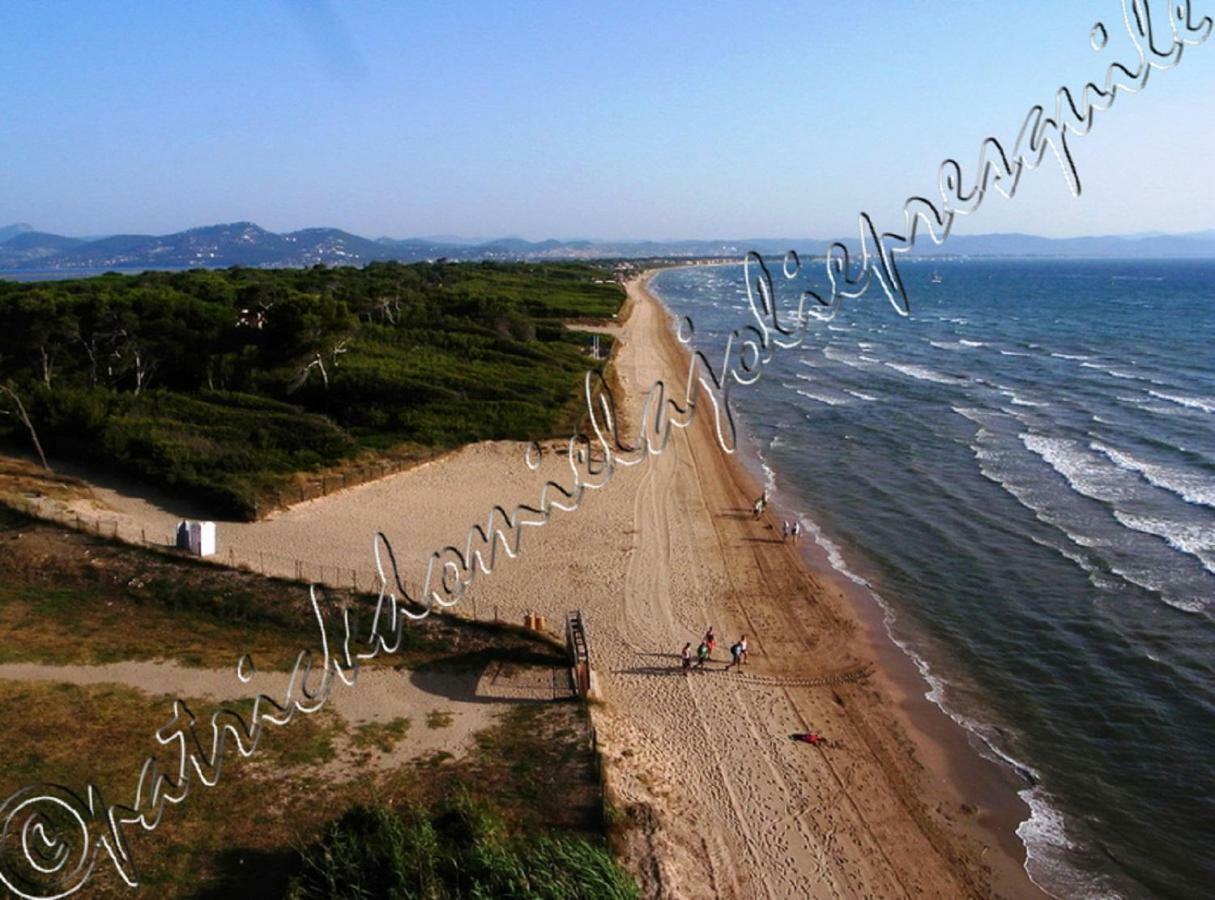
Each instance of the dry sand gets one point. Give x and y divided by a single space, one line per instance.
722 802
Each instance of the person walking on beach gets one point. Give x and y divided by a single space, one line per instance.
686 656
735 655
702 654
742 649
710 641
797 531
759 508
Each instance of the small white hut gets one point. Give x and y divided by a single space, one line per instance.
196 537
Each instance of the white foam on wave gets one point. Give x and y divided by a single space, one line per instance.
1014 353
1191 487
1082 471
1193 539
1018 400
1049 853
836 354
1206 404
923 373
947 345
821 398
1120 373
1073 356
833 552
966 343
860 395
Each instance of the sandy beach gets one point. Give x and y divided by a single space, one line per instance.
721 802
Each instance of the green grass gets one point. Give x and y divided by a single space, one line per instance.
72 598
460 848
438 718
383 736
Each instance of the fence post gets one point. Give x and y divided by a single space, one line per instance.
354 580
143 535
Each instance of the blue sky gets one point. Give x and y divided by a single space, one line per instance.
600 120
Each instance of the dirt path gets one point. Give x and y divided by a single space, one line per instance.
465 701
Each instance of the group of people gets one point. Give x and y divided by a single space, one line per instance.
791 530
704 652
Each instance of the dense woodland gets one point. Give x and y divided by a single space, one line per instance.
218 384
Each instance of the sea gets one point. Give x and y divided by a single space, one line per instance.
1022 474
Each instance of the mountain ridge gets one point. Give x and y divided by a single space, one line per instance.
23 248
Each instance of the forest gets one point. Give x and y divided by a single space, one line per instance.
221 385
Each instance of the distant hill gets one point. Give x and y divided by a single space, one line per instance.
247 244
9 231
30 246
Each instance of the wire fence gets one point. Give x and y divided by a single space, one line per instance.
359 579
316 487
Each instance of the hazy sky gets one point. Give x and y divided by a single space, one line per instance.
566 120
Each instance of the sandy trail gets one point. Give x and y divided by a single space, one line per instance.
468 701
668 548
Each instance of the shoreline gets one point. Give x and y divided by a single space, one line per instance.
716 800
943 744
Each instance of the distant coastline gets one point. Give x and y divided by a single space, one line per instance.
29 255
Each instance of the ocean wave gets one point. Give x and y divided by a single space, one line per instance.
1197 541
835 354
966 343
1050 852
1206 404
1014 353
1151 582
1119 373
923 373
860 395
1189 486
821 398
1018 400
1081 470
1095 576
1073 356
981 417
